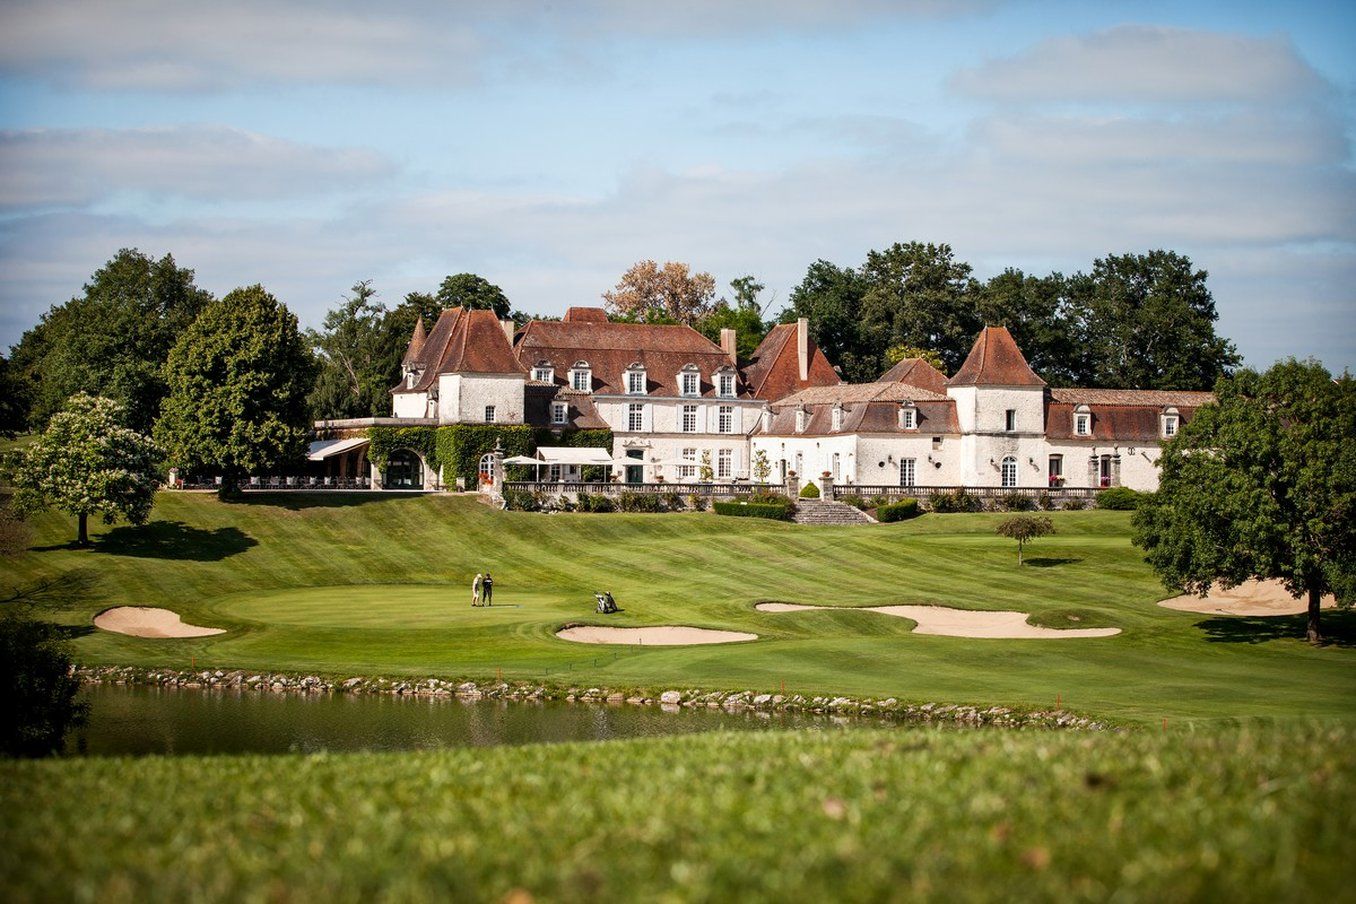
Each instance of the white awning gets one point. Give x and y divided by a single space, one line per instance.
567 455
328 448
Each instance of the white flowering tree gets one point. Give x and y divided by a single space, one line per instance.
86 463
762 468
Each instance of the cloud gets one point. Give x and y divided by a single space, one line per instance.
1146 64
73 167
198 45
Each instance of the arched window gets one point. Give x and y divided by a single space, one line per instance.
1010 471
1171 420
404 471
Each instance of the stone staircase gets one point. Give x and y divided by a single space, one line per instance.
823 511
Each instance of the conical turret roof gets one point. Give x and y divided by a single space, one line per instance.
995 360
416 343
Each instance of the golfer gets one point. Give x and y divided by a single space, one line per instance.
476 586
487 590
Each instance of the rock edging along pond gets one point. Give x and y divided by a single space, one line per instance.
285 683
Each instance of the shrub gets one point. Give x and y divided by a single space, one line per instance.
1046 503
594 502
754 510
697 502
855 501
897 511
809 491
521 501
15 534
1118 499
1076 504
672 501
35 677
956 501
1016 502
631 501
771 497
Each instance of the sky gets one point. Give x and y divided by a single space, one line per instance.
548 146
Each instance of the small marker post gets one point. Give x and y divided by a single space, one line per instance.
1059 701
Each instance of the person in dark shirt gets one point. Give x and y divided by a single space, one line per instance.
487 590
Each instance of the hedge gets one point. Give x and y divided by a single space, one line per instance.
897 511
460 447
809 491
1119 499
753 510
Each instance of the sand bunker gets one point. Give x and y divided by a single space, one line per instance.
658 636
1248 598
962 622
146 621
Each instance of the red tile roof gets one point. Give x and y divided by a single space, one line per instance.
581 414
867 408
464 341
774 370
585 315
915 372
1160 397
416 343
995 360
611 348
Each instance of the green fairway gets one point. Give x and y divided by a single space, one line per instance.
1223 814
381 585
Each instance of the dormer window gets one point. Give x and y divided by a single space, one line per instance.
801 417
690 381
1171 421
560 413
581 377
725 385
543 372
635 380
837 418
908 416
1082 421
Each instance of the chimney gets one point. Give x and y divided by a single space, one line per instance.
727 345
509 328
803 347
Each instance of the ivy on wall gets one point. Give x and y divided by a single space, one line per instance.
460 447
382 441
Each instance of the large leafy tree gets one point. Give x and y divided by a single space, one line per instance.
669 294
1147 321
238 380
830 297
113 339
354 351
13 399
1261 484
468 290
1035 310
918 294
743 314
86 463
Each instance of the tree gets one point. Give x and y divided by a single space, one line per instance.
1036 310
918 294
112 340
86 463
1024 529
14 395
762 469
40 688
1147 321
1261 484
238 381
672 294
354 357
468 290
830 297
896 353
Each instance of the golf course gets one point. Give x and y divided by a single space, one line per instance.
1227 771
380 585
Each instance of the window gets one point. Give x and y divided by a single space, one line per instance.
581 379
908 417
559 412
1010 420
688 419
1009 472
837 417
688 472
553 473
725 385
635 418
800 422
489 414
1082 421
725 419
690 383
1056 470
908 472
1170 422
544 374
635 382
837 466
724 457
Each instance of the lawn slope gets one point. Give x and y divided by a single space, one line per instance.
380 585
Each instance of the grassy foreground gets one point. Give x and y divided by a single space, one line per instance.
1237 814
375 584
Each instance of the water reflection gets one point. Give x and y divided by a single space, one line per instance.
155 720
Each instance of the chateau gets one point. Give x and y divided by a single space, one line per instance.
681 407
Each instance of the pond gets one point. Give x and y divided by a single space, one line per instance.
155 720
